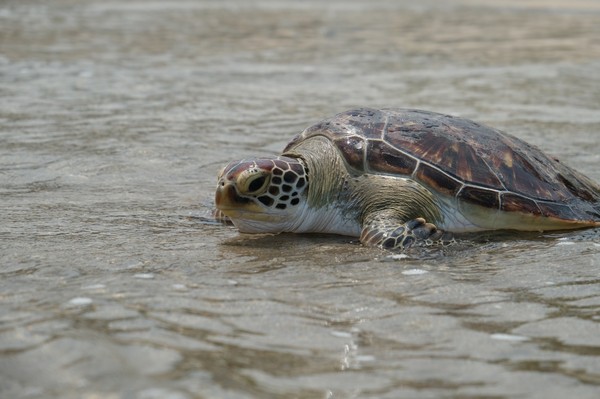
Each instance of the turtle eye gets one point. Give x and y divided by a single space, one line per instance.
256 184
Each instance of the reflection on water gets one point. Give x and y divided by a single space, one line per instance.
116 117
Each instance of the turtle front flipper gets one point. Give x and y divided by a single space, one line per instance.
386 234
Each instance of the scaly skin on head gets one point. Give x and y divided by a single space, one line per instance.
261 194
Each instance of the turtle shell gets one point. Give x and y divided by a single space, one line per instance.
456 157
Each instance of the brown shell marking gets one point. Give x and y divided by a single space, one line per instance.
462 158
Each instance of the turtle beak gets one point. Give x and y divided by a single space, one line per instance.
226 196
230 202
221 195
243 212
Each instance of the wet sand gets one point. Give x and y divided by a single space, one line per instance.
114 120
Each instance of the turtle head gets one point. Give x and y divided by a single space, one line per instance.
263 195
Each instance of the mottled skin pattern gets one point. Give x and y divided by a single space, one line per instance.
397 178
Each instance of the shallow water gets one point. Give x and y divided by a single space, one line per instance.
115 118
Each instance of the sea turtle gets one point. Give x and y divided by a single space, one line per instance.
402 177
